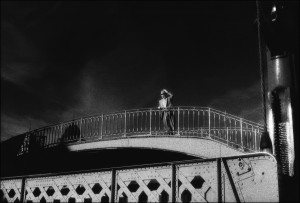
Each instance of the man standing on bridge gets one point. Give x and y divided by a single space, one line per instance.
165 103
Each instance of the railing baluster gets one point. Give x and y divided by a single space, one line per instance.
208 122
124 123
178 121
241 123
183 112
155 121
188 120
61 130
255 140
129 122
101 127
193 121
150 114
198 123
80 127
227 134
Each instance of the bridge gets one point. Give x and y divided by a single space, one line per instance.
225 169
199 131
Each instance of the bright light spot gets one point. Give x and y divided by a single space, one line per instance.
271 127
277 69
274 9
290 140
273 13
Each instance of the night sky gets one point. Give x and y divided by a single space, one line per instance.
65 60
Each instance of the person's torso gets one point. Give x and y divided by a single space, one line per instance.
165 103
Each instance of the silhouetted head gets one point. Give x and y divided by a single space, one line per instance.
163 94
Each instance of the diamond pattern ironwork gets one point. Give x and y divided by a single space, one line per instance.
96 188
11 193
153 185
43 200
17 200
143 197
36 192
105 199
164 196
133 186
80 189
197 182
65 190
186 196
50 191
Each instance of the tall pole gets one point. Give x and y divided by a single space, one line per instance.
278 25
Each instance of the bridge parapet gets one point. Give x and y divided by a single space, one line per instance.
246 178
199 122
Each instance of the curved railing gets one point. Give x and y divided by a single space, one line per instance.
189 121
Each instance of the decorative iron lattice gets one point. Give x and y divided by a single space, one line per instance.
197 182
247 178
144 185
93 187
11 190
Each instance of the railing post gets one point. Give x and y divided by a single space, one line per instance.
255 140
80 129
241 126
113 185
178 121
150 121
208 122
23 189
173 184
61 131
227 135
101 132
125 124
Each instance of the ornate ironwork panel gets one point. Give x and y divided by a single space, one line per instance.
247 178
11 190
144 185
197 182
93 187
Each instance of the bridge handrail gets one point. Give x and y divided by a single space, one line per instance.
189 120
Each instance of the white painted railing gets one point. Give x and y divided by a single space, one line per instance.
189 121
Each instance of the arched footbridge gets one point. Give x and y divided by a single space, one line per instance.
199 131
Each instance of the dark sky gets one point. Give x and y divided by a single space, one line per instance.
64 60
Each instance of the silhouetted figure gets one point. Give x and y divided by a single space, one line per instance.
71 133
165 103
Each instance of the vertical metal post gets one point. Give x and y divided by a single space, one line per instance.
80 129
178 121
61 131
208 122
125 124
227 134
113 185
219 178
241 126
255 140
101 132
150 120
173 184
22 195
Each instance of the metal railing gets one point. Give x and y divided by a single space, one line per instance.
189 121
